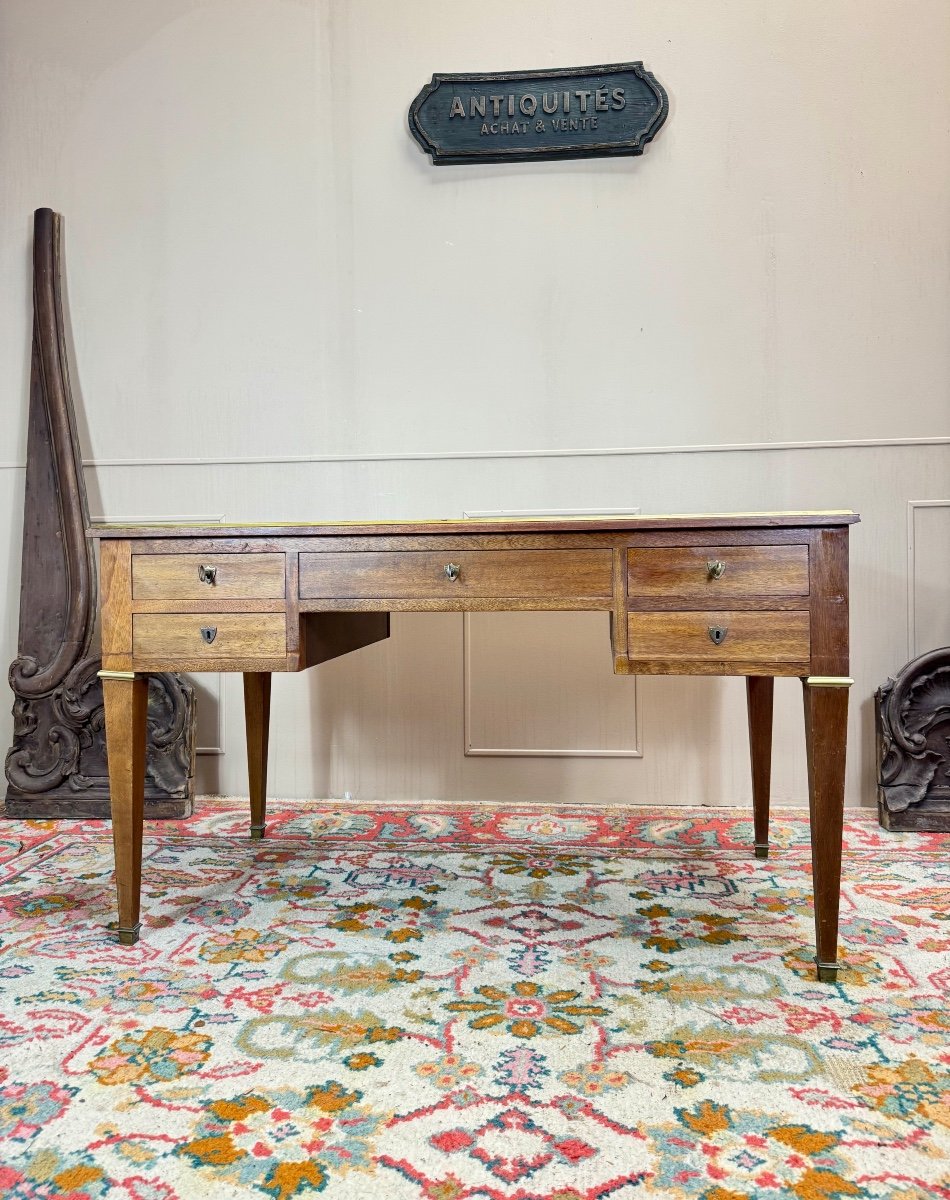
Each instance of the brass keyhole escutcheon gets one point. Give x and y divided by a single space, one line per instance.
452 570
209 633
717 634
715 568
207 574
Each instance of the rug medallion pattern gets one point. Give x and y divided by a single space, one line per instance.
500 1004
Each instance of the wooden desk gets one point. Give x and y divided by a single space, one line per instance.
760 595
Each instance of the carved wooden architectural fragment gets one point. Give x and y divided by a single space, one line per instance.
56 766
913 729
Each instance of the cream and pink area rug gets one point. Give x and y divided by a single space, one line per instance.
492 1004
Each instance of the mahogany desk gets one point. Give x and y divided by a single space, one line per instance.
760 595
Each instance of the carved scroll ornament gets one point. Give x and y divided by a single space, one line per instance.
913 713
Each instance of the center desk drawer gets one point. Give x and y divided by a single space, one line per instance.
713 574
207 576
208 635
415 574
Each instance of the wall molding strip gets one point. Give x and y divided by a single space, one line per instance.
462 455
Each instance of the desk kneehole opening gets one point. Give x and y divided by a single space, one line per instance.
743 636
208 635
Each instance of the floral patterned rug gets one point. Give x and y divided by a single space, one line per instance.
496 1004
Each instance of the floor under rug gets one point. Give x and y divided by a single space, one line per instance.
496 1003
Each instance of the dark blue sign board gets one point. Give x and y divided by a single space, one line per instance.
522 116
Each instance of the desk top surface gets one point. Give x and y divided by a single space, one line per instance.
612 524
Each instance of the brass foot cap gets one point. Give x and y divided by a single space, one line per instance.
762 851
128 937
257 832
827 972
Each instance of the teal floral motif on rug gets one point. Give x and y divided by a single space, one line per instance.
497 1003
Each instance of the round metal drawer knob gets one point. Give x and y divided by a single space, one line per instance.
715 568
452 570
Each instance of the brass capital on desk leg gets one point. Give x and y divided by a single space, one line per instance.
125 698
826 729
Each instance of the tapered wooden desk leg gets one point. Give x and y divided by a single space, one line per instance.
126 706
826 727
257 723
759 690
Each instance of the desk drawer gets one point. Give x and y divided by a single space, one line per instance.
413 574
235 576
236 635
714 574
721 636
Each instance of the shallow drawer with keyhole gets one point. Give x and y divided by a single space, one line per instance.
722 636
210 635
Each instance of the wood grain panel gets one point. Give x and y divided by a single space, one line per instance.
547 573
239 635
114 595
764 637
237 576
682 573
829 607
696 666
253 605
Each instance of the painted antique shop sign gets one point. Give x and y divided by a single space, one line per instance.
520 116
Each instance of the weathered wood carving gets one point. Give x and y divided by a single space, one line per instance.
913 729
56 766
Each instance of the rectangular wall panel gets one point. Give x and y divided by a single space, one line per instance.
540 684
928 575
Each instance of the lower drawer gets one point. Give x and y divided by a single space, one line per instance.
208 635
720 636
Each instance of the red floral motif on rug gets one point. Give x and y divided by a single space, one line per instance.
495 1003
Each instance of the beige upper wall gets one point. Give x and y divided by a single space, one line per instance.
261 260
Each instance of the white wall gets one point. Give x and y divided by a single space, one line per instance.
263 266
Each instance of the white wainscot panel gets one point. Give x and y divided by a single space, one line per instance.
928 562
542 684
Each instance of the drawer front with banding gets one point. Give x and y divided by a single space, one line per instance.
451 574
210 577
713 575
720 636
211 636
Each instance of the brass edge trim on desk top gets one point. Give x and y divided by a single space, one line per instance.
606 519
